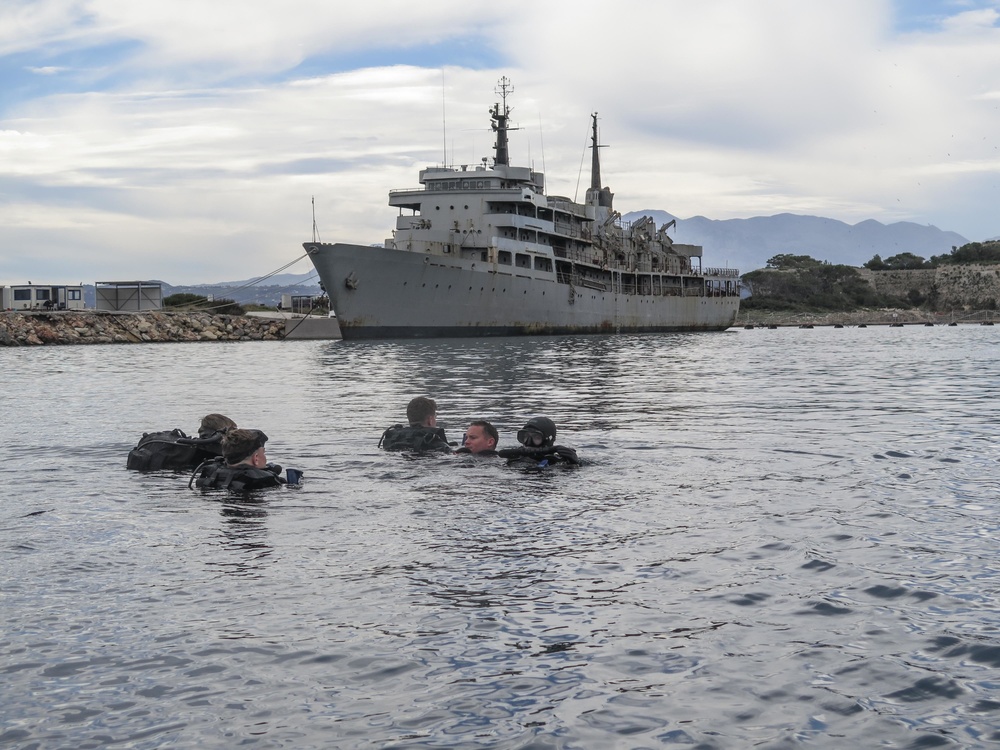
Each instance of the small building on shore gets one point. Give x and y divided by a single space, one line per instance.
41 297
302 304
129 296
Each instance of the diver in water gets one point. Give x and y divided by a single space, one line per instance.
242 466
538 448
214 426
172 449
421 435
480 439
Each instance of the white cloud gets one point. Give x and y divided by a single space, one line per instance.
721 109
26 24
230 37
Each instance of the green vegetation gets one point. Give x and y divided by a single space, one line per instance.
974 252
192 302
798 283
901 262
787 262
184 300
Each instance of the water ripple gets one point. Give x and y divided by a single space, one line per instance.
777 539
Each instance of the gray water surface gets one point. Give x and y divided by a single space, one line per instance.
779 538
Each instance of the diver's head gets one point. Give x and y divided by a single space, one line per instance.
537 433
422 412
213 423
244 446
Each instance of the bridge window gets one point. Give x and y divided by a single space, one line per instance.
543 264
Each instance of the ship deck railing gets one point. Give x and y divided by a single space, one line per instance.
642 289
567 230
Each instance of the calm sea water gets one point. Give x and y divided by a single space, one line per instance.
780 538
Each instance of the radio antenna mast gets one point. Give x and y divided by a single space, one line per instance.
444 122
315 230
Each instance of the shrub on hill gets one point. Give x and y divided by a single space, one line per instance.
801 283
973 252
901 262
186 301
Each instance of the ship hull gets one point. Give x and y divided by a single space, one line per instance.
380 293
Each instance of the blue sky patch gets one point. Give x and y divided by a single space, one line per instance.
927 15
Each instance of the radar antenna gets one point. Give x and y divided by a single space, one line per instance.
500 114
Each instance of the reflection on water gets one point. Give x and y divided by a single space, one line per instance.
244 533
777 538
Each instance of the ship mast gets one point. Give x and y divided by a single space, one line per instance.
499 115
603 196
595 159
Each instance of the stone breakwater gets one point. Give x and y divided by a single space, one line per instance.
878 317
94 327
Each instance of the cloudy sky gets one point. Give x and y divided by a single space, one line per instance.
186 140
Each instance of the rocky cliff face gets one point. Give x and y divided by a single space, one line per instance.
967 287
92 327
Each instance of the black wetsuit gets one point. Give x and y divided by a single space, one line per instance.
218 475
414 438
546 455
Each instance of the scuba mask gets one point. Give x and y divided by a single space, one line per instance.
530 438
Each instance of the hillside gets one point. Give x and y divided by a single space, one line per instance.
799 283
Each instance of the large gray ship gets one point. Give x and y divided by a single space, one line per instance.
483 251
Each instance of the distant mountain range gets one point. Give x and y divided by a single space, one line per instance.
746 244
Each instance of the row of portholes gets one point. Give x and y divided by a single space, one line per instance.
641 300
452 208
482 288
460 184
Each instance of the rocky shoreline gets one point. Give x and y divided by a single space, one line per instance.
100 327
747 318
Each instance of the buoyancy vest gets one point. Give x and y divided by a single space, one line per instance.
538 457
172 449
414 438
217 475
